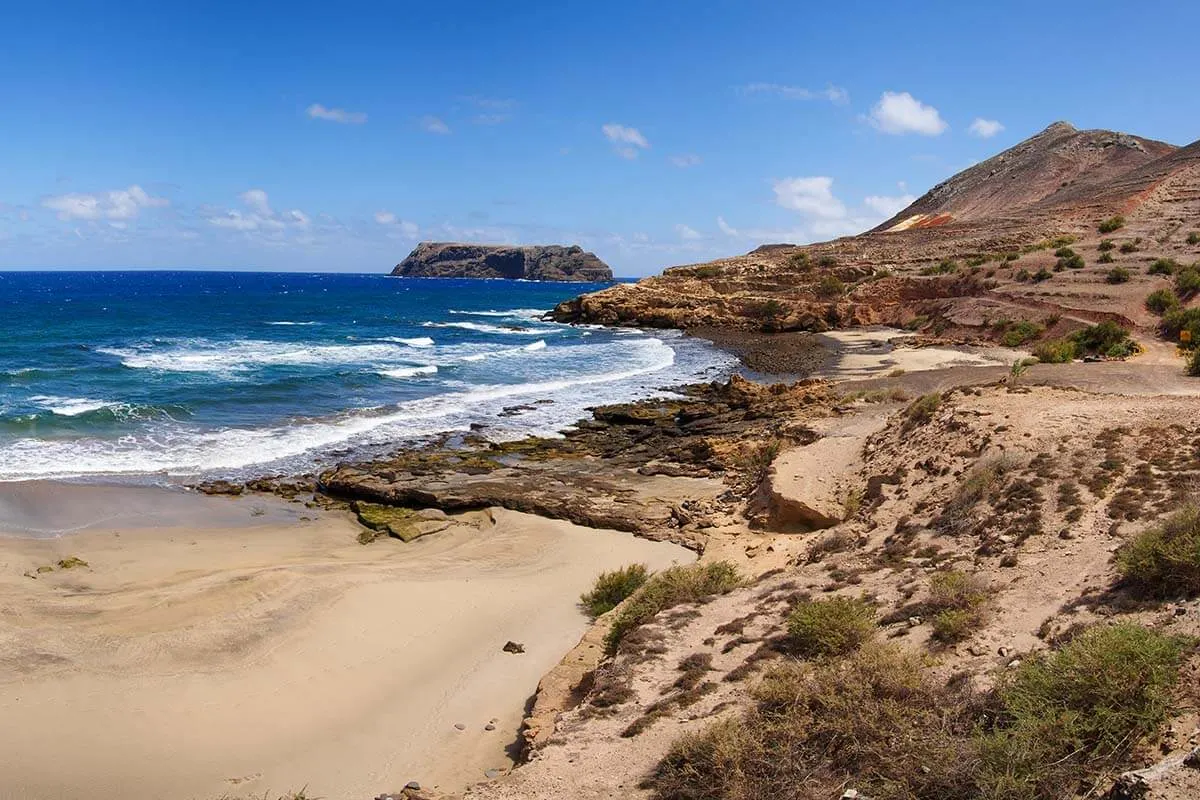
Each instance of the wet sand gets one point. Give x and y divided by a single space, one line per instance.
260 648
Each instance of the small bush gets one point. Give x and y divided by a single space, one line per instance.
830 627
1106 245
956 600
1018 333
1193 237
1164 561
1177 320
945 267
1111 224
922 409
613 587
1055 351
1042 274
1064 252
1117 275
800 261
669 588
1022 275
1105 258
830 286
1161 301
1129 247
1106 338
1193 363
1187 282
1163 266
826 262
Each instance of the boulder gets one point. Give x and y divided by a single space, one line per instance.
535 262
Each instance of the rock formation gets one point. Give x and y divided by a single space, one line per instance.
534 262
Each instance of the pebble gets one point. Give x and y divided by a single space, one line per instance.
491 773
1003 652
413 785
489 727
494 720
460 726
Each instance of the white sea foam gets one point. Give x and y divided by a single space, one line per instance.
70 406
517 313
409 372
415 341
289 322
480 327
633 369
245 354
540 344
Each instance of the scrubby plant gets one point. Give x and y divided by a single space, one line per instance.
1012 256
671 587
1187 282
1129 247
826 262
945 267
611 588
1106 338
1111 224
830 286
1042 274
833 626
956 601
1193 238
1177 320
1105 258
1161 301
1106 245
1015 334
801 261
1064 252
1117 275
1163 266
1055 351
922 409
1193 363
1164 560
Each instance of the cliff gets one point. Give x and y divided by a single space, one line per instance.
535 262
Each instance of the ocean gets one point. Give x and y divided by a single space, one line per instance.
168 376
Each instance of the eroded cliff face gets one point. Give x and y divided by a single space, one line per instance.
535 263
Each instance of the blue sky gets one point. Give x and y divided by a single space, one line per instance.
333 136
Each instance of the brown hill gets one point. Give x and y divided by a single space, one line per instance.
978 247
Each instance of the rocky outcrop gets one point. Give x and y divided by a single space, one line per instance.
534 263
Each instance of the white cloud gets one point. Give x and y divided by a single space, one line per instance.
404 229
432 124
726 228
259 215
834 94
810 196
686 160
888 206
339 115
627 142
686 233
900 112
119 204
985 128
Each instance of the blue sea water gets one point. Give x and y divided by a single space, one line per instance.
185 374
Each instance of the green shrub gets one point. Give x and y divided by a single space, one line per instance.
1177 320
922 409
1022 275
613 587
1064 252
1055 351
1164 560
1161 301
826 262
830 627
1106 338
1042 274
1008 257
956 601
1187 282
800 261
1193 237
1105 258
1111 224
671 587
1193 363
1163 266
1071 262
1129 247
1069 717
1018 333
830 286
1106 245
945 267
1117 275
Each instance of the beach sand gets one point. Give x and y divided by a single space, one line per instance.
259 647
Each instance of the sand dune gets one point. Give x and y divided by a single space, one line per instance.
186 662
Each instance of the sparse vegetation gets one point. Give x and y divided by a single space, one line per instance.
1178 320
801 261
832 626
1164 560
877 721
1106 338
956 600
1106 245
1163 266
1015 334
922 409
1042 274
1022 275
1129 247
1111 224
1193 238
613 587
1117 275
1187 282
755 462
946 267
1193 363
1073 261
1161 301
1105 258
830 286
671 587
1055 351
825 262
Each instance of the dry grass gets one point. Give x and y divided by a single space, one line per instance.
830 627
611 588
671 587
1164 561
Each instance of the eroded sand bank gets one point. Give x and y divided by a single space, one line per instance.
192 661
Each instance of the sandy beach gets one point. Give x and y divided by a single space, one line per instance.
216 647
